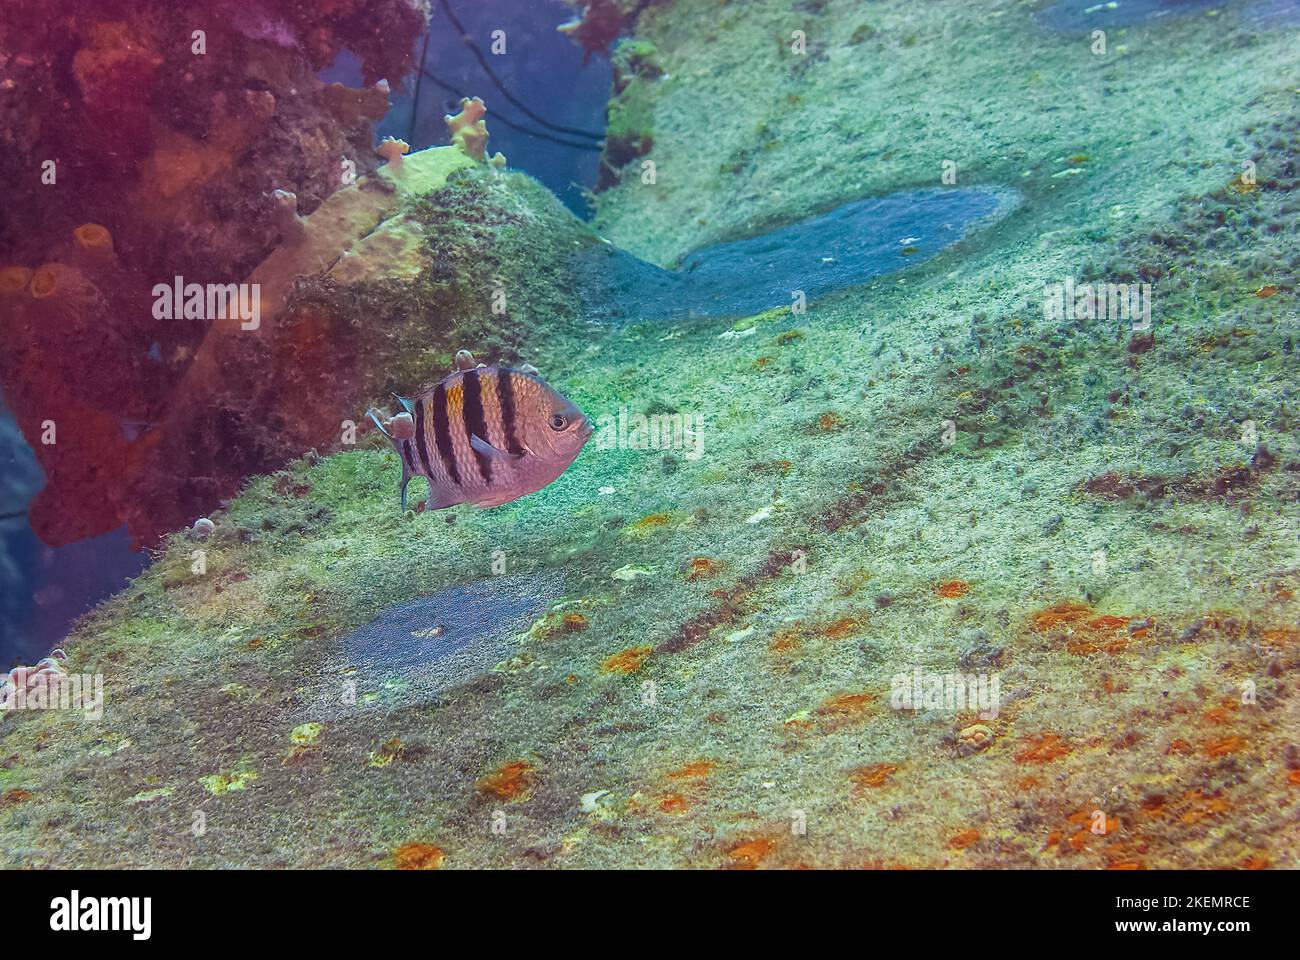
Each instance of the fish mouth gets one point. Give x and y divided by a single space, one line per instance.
585 429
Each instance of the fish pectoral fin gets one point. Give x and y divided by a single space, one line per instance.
407 403
374 415
485 448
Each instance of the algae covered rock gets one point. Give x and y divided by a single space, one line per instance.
629 124
373 293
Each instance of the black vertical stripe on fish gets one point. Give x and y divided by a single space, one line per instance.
442 433
419 440
406 455
475 422
506 392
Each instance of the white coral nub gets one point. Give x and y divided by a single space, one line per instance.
292 226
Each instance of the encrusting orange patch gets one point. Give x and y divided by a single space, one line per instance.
627 661
1224 746
964 839
1108 622
1199 806
873 775
1224 713
691 777
844 704
512 781
1043 748
702 568
1085 820
787 639
697 770
1281 636
952 589
418 856
674 803
839 629
835 713
749 854
1057 614
1087 632
791 637
830 422
652 521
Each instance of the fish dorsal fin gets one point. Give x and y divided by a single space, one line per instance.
485 448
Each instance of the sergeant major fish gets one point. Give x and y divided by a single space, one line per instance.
485 435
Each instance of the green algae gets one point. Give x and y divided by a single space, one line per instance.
219 784
630 125
305 734
629 121
148 796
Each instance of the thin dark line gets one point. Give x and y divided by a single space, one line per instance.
13 516
501 118
442 432
475 422
415 98
478 55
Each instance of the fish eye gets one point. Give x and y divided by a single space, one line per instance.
558 422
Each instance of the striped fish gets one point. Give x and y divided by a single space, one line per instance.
486 436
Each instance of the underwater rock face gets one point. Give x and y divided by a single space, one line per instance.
373 292
416 650
843 248
145 141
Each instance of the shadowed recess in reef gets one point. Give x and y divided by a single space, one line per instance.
415 650
843 248
1082 15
